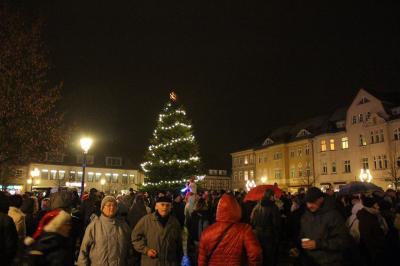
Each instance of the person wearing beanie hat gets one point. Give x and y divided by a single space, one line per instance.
323 234
50 245
106 239
156 250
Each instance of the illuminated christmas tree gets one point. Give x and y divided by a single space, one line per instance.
173 154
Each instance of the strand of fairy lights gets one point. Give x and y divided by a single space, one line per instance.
172 142
179 161
198 178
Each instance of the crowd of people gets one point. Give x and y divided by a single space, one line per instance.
310 227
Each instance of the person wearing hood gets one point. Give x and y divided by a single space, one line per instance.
229 242
323 233
157 236
106 240
50 245
266 221
373 229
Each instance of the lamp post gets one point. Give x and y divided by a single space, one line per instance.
86 143
102 182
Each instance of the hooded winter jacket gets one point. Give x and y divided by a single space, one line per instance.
327 227
239 246
106 243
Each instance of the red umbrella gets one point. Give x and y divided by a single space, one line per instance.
257 192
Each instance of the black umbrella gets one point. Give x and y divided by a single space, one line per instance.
357 187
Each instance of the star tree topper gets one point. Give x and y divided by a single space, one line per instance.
173 96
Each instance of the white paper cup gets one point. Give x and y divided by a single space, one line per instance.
305 239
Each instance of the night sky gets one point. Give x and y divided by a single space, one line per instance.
239 69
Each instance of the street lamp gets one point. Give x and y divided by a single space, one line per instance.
264 179
102 182
85 145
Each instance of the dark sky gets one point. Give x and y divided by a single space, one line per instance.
239 69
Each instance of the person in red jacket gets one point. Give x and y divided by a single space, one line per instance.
238 244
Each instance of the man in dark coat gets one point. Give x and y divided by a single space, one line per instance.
323 232
90 206
8 233
266 222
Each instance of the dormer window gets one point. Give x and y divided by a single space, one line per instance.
113 161
303 133
268 141
363 100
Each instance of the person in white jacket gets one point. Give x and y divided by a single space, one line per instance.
17 215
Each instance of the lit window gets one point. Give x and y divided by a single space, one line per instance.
115 178
90 177
323 145
79 178
97 177
246 175
125 179
251 174
345 143
292 172
53 174
72 176
332 144
61 174
246 160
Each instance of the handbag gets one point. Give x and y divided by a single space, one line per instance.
217 243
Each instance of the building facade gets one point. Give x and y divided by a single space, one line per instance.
216 180
244 167
360 141
110 176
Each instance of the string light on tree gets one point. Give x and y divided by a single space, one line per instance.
173 150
